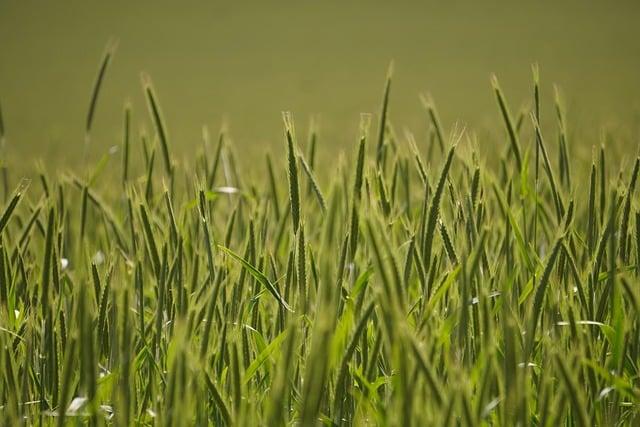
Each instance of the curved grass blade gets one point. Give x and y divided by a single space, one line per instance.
106 59
13 203
508 121
158 121
429 105
549 171
264 355
314 184
258 275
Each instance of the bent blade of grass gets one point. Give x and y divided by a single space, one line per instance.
314 184
258 275
158 121
508 121
548 169
429 105
106 59
8 211
271 348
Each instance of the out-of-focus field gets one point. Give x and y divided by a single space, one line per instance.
248 62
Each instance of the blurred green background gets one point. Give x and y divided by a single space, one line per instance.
249 61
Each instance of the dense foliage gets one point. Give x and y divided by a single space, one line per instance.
436 282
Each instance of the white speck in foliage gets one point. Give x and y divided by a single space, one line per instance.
98 258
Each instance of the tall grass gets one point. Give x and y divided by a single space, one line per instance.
405 286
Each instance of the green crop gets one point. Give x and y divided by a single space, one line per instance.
401 284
